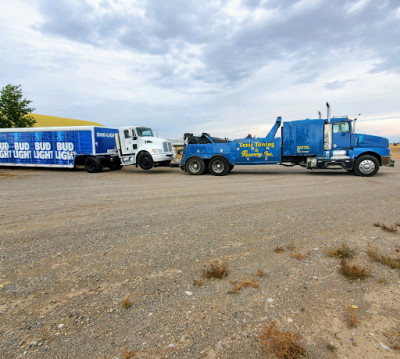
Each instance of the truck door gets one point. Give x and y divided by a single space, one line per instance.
341 135
128 140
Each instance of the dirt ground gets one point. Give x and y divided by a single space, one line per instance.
102 265
395 152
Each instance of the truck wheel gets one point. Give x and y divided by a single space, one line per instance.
231 168
93 165
145 161
366 166
218 166
195 166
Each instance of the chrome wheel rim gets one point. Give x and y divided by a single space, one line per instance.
366 167
194 166
218 167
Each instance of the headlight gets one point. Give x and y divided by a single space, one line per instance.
156 150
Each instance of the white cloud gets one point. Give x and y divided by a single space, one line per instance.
227 67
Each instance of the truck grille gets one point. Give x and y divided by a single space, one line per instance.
167 146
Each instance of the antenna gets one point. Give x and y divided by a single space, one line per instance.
319 114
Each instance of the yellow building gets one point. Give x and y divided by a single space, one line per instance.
52 121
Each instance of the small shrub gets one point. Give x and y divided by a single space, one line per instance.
243 283
353 272
285 345
126 303
341 252
391 262
279 249
217 270
376 224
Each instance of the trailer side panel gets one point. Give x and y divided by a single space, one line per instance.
44 148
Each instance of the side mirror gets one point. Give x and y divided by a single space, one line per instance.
134 138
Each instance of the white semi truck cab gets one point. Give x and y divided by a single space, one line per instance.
137 145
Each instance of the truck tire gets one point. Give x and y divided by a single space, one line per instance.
231 167
366 166
93 165
145 161
195 166
218 166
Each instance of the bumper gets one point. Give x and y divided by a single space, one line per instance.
387 161
163 157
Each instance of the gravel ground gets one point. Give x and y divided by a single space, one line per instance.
76 247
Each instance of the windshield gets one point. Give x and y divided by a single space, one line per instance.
144 132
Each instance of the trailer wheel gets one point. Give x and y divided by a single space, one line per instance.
145 161
218 166
195 166
93 165
366 166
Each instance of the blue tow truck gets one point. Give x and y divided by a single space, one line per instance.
329 143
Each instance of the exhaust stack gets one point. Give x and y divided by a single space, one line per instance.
319 114
328 114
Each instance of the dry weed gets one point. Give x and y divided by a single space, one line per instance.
283 345
126 303
243 283
260 273
341 252
198 282
290 247
353 272
217 270
382 280
299 256
331 347
390 229
351 315
391 262
394 338
128 354
279 249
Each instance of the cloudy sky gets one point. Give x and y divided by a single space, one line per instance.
219 66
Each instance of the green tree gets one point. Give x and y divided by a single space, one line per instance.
14 110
